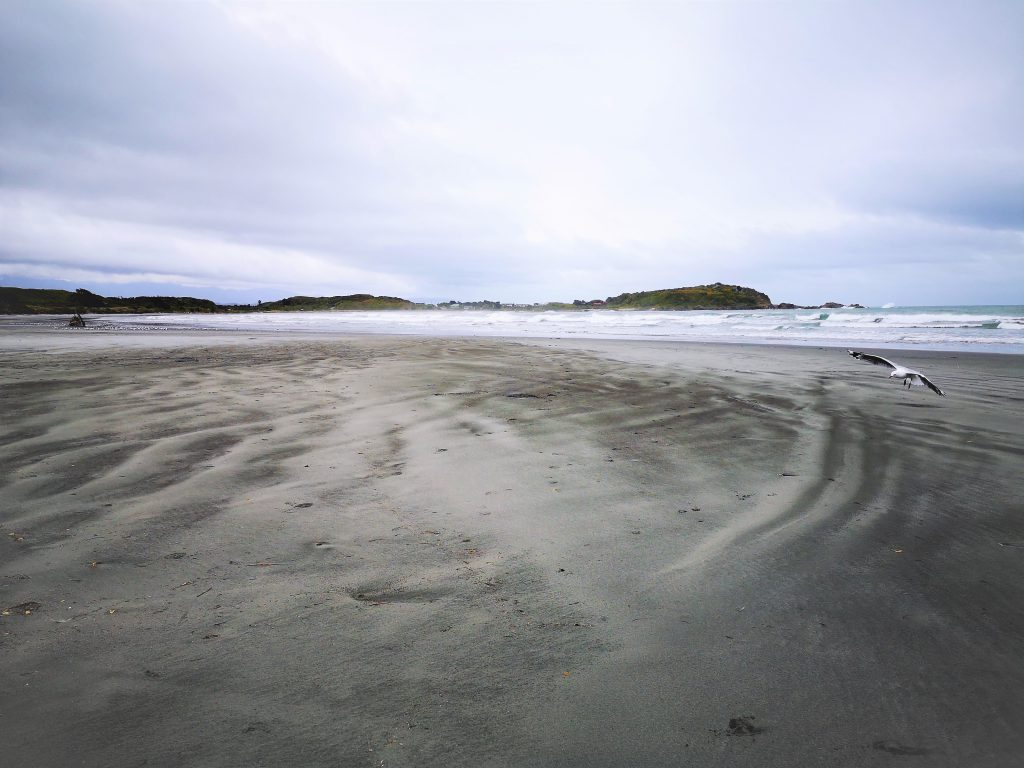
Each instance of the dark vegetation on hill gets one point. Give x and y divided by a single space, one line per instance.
321 303
29 301
43 301
36 301
717 296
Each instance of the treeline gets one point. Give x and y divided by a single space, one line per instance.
322 303
27 301
46 301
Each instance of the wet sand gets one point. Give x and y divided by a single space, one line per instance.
242 550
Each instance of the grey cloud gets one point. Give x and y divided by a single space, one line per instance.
986 193
173 139
170 115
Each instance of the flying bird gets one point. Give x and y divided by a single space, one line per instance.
910 377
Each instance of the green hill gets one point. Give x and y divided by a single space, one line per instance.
717 296
321 303
27 301
40 301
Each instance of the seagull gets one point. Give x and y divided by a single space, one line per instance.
910 377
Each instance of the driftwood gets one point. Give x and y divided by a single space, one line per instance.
76 321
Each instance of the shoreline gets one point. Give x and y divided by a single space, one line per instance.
308 550
12 335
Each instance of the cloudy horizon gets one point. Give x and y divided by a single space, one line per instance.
516 151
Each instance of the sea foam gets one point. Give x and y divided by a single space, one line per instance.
981 328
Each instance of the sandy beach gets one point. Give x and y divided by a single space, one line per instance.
283 550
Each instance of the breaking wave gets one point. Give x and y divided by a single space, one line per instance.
993 328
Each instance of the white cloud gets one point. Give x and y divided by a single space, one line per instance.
521 150
63 245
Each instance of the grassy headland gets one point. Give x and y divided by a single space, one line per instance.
324 303
40 301
717 296
28 301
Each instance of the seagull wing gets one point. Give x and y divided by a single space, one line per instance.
929 384
873 359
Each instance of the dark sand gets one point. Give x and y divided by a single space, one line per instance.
434 552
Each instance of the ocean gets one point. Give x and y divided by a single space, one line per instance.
970 328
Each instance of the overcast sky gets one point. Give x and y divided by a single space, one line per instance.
520 151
